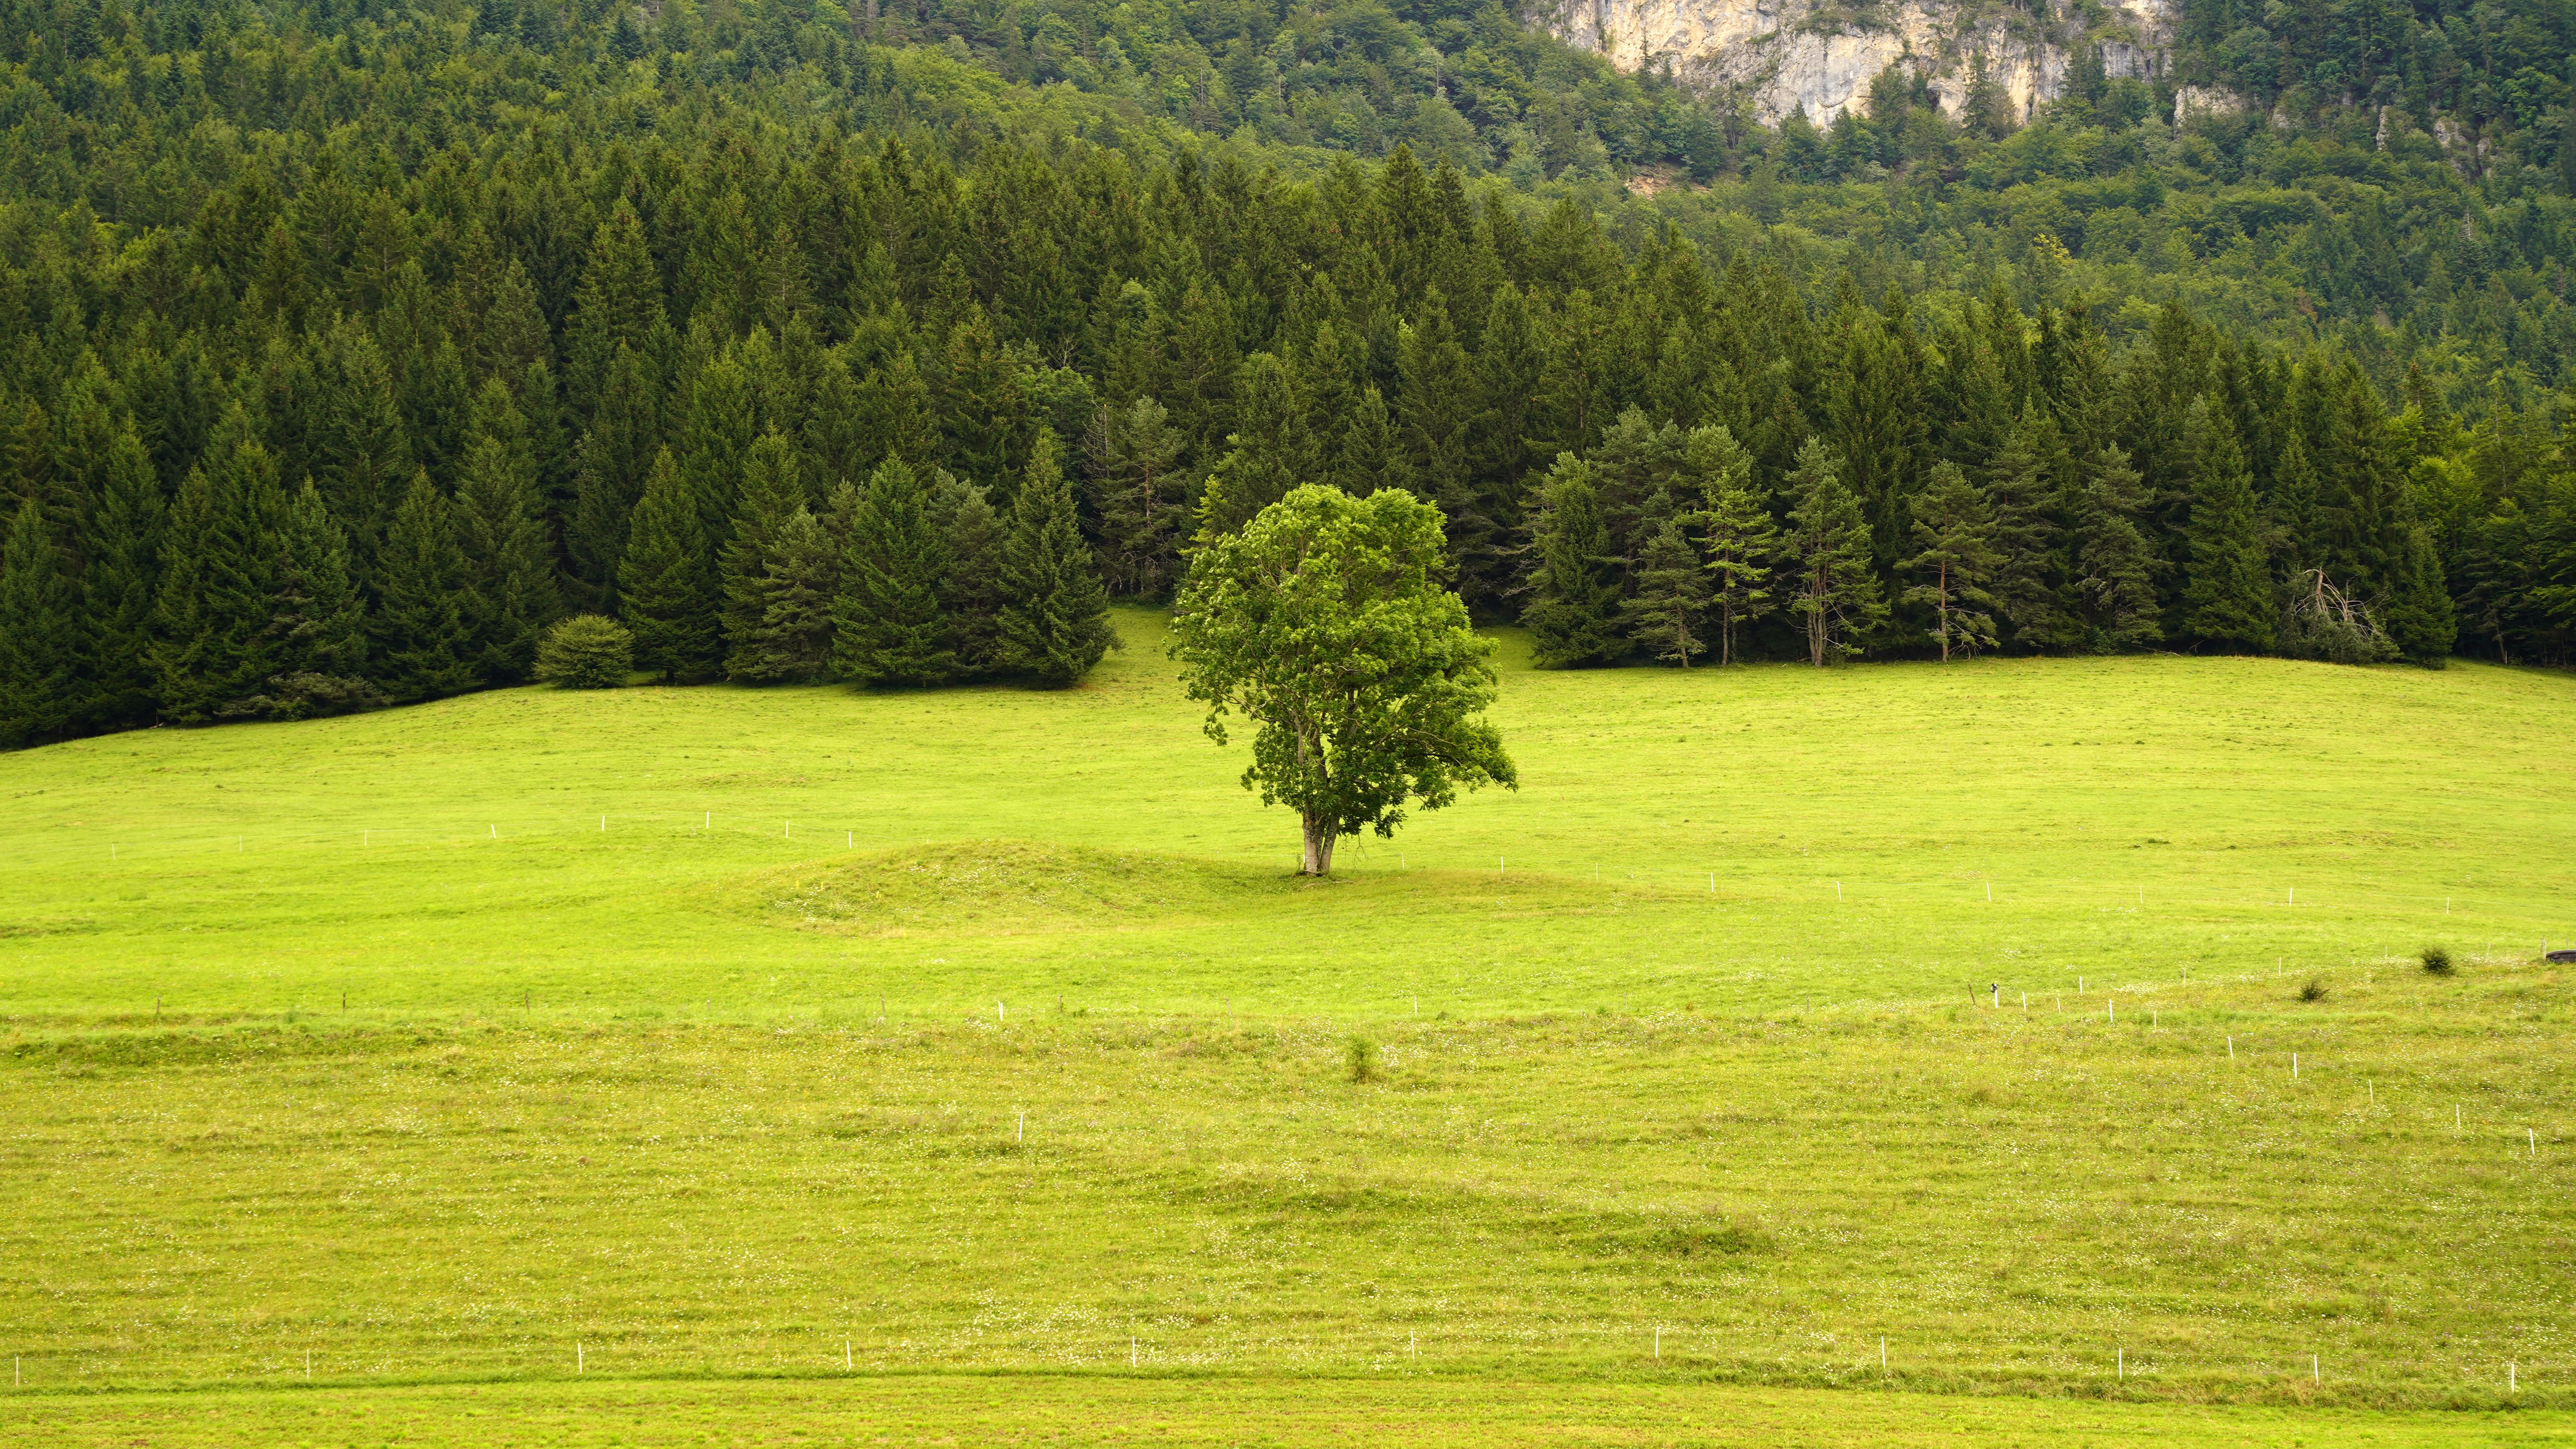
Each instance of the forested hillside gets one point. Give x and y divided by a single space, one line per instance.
349 347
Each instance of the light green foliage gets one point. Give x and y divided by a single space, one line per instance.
1323 624
586 652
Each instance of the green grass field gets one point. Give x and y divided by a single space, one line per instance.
1003 1095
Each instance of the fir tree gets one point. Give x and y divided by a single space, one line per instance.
888 626
1743 541
1837 599
1054 622
2023 493
1956 561
664 588
1438 409
2229 601
39 635
1574 613
1672 588
422 642
770 494
1266 455
1141 496
2115 585
2422 621
612 462
210 633
501 535
794 639
971 597
124 551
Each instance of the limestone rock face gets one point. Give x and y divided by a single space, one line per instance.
1814 53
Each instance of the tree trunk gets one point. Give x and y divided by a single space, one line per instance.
1318 860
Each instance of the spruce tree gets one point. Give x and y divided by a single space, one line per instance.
317 623
1438 412
793 642
888 626
770 494
1266 454
1743 541
1054 622
211 643
123 548
39 636
1672 592
2422 621
1956 560
971 597
2115 585
422 642
1837 598
2229 601
501 534
1141 496
2023 492
664 591
1574 613
608 474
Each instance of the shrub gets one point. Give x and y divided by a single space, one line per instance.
1363 1058
2437 962
586 651
2315 990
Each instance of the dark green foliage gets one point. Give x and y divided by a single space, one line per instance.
1672 593
1574 613
2230 601
2315 990
318 622
423 645
1054 619
1834 595
665 590
2437 961
1742 540
39 640
501 534
307 260
1957 562
586 651
770 497
889 627
2115 592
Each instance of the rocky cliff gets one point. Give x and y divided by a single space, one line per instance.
1786 53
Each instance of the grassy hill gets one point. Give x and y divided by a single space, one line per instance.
1020 1055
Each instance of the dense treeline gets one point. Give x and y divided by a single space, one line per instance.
344 359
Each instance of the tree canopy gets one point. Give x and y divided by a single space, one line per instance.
1324 624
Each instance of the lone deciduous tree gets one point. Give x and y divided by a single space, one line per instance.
1324 624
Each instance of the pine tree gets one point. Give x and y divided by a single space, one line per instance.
664 587
1574 615
1837 598
39 636
124 551
793 642
422 642
2229 601
219 581
1672 588
2115 585
612 462
2023 492
889 628
1743 541
1054 622
770 494
1141 496
971 597
501 535
1266 454
1957 560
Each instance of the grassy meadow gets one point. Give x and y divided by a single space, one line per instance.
1743 839
1867 1057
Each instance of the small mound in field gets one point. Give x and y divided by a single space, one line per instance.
996 887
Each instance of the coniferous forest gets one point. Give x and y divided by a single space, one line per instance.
351 348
